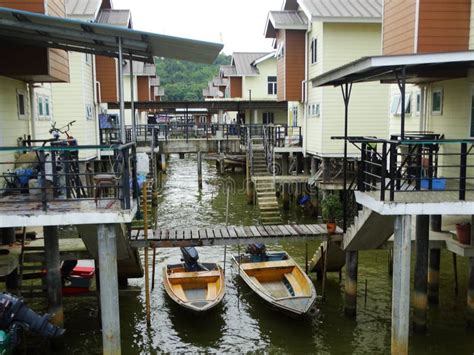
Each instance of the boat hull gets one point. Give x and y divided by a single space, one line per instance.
279 281
196 291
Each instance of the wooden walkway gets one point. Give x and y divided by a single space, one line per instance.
178 237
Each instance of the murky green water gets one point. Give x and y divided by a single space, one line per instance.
243 323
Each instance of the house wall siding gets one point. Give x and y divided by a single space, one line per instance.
281 73
399 22
106 73
444 25
294 64
259 84
236 87
143 88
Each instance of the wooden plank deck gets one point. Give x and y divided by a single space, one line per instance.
233 235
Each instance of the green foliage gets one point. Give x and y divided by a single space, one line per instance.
184 81
331 208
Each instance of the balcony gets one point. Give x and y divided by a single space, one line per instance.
420 174
54 185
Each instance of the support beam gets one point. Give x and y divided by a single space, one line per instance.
109 300
121 92
132 102
199 167
420 296
163 162
350 287
285 159
434 264
248 180
401 285
53 275
470 288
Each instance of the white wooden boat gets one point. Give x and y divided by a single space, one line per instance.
194 286
279 281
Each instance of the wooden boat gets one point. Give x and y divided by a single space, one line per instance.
279 281
198 287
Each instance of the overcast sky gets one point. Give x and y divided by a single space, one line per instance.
239 24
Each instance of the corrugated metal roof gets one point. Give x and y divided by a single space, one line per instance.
140 68
155 81
344 9
288 20
82 8
217 81
115 17
227 70
157 91
243 62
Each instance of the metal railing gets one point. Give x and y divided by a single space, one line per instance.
175 130
414 164
284 136
63 172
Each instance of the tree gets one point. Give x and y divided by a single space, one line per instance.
184 81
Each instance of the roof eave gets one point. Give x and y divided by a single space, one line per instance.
330 19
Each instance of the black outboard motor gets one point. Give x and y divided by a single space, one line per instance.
258 251
14 314
190 258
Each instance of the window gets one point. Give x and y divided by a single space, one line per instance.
280 53
272 85
89 112
88 58
21 104
314 50
396 105
268 118
437 101
314 110
418 103
44 109
295 116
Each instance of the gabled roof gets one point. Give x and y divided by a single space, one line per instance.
289 5
218 81
140 68
285 20
121 18
343 10
243 62
227 70
84 9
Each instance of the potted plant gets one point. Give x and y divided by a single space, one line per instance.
463 233
331 209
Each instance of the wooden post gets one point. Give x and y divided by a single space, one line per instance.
199 167
249 184
350 286
401 285
420 296
109 299
284 171
434 264
145 232
163 162
53 275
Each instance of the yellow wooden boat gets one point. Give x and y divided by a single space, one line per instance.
194 286
279 281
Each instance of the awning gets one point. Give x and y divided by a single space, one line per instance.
420 68
36 29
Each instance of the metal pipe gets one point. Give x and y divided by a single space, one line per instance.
121 92
132 102
53 275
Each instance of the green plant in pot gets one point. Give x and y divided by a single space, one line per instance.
331 209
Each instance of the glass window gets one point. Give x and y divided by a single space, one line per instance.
272 85
437 101
295 116
46 106
21 102
394 106
314 50
268 118
40 106
418 103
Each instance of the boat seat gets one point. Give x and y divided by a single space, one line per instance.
266 264
179 292
211 291
294 284
185 275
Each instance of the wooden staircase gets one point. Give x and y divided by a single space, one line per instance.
265 190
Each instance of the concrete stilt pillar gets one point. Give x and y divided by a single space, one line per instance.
307 165
401 285
163 162
434 264
420 295
350 286
199 167
248 181
53 275
299 163
109 300
285 161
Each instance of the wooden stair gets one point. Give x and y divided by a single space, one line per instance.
268 203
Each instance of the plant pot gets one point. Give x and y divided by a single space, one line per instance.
331 227
463 233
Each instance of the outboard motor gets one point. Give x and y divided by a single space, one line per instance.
14 314
190 258
258 251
